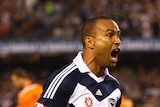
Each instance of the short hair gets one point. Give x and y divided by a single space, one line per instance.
88 28
20 73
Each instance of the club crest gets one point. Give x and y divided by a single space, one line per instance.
88 101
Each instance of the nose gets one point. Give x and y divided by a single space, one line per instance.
117 40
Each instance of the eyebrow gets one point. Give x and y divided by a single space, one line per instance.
118 32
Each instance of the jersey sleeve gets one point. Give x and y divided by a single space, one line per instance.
56 93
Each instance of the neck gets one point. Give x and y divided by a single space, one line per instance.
93 66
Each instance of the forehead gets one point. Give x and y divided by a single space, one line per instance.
107 24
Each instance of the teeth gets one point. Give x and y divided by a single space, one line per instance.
117 50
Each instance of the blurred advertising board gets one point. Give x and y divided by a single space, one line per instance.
52 46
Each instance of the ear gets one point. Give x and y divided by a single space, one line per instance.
89 42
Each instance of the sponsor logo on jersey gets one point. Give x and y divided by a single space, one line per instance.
88 101
111 102
39 105
99 93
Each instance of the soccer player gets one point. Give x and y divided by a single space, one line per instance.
86 82
29 92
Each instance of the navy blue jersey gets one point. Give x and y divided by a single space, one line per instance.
76 86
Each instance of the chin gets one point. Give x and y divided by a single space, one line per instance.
112 65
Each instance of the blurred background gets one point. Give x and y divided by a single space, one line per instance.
43 35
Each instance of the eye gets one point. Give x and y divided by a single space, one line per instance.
109 34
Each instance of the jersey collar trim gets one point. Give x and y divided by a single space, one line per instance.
78 60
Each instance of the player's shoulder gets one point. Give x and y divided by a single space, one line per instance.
113 79
61 81
36 88
27 92
68 72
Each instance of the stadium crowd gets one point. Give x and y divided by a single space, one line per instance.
58 19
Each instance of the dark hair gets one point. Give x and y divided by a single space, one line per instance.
88 28
20 73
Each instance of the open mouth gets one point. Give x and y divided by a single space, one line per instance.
115 52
